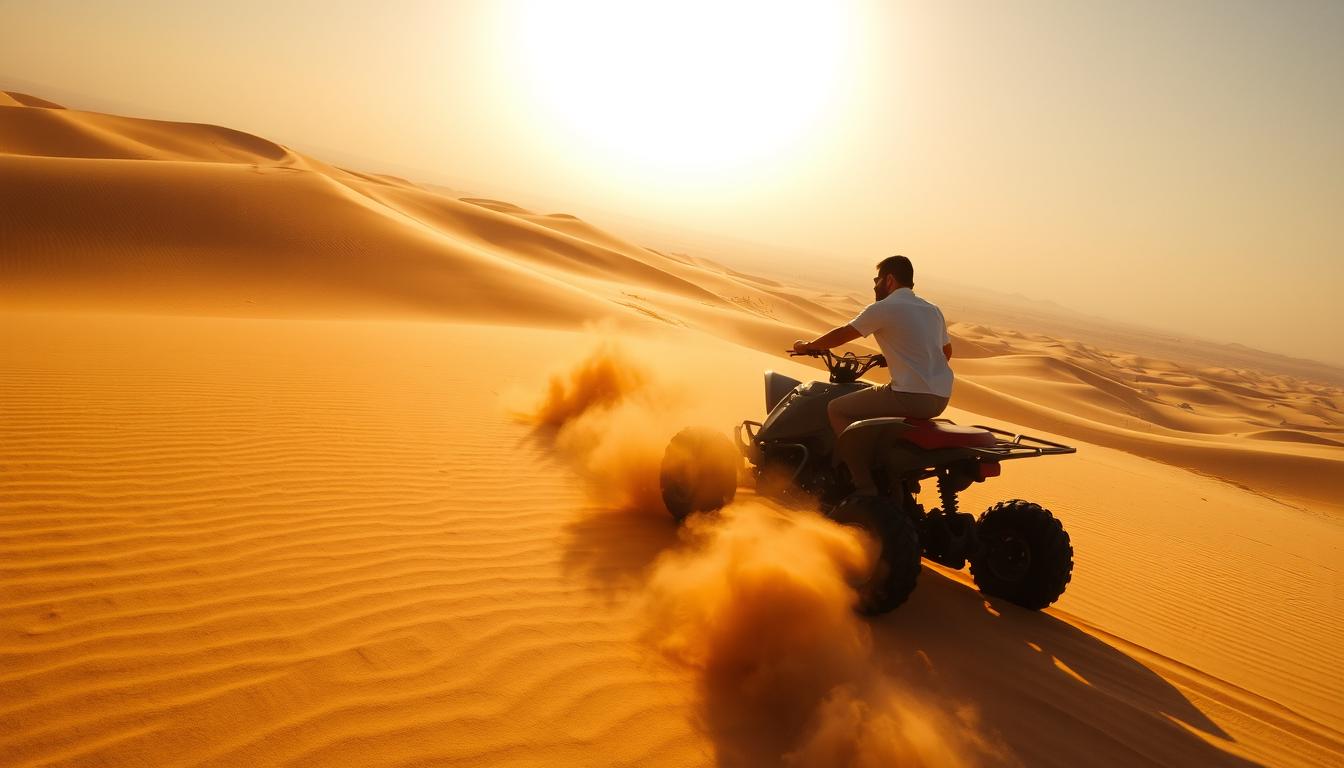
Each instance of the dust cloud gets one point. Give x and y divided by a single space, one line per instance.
610 418
757 600
606 377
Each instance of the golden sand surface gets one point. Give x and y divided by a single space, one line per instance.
274 491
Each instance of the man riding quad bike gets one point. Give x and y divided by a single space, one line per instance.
870 475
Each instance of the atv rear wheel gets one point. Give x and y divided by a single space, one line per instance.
1024 555
897 565
699 472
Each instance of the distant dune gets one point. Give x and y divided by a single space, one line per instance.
265 503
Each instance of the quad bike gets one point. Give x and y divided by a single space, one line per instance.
870 477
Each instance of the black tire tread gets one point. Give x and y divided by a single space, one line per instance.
900 549
1052 554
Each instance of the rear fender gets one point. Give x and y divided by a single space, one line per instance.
862 444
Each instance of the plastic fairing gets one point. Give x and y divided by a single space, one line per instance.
777 387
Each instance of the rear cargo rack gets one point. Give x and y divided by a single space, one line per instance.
1020 446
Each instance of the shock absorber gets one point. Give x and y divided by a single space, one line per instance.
947 493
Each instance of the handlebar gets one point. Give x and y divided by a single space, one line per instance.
847 367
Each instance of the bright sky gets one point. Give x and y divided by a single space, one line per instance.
1175 164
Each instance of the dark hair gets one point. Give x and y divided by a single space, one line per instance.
898 267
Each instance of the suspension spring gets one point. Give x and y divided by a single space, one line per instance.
947 493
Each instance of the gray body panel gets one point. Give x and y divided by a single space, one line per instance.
802 413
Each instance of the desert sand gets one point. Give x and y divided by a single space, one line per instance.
306 466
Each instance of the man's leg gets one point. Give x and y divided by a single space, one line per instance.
864 404
881 401
839 413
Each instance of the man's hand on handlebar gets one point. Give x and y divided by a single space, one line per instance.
801 347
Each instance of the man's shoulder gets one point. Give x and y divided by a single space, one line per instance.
920 300
900 302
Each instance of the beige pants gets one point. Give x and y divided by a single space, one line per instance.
882 401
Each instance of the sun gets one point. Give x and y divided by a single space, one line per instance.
684 89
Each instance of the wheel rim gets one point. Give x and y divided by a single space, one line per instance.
1010 557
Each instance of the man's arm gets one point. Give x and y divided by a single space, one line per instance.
947 352
832 338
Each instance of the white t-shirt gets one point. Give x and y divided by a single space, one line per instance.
911 333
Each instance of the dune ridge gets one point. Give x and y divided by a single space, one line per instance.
201 219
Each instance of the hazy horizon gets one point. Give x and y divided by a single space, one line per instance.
1169 166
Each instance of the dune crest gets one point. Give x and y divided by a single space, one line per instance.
198 219
16 99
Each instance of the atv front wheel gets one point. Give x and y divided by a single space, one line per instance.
897 565
1024 555
699 472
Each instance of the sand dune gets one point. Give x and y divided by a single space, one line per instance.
56 132
15 99
268 500
1279 439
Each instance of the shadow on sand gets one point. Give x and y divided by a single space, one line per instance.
1046 691
1053 694
613 549
1043 692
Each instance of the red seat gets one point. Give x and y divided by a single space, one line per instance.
928 433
